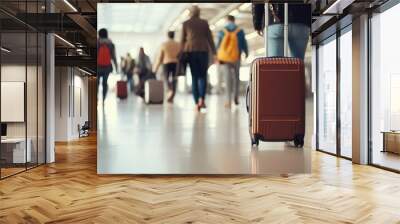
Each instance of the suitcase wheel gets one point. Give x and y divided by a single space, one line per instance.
255 141
299 141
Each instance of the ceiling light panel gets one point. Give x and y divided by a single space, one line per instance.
137 18
70 6
5 50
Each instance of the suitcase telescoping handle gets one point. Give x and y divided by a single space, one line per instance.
268 7
247 98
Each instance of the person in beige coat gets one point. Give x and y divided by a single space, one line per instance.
168 58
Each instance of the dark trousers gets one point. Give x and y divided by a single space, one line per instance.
198 62
130 82
170 76
140 87
104 75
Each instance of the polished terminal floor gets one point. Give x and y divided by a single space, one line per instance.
135 138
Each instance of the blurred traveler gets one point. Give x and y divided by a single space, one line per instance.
196 42
299 23
122 65
168 57
144 70
231 44
129 67
105 58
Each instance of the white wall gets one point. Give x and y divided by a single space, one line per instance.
80 110
71 102
16 73
61 103
131 42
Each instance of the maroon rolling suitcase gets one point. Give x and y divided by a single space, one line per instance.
122 90
275 98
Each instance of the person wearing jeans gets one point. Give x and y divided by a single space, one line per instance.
299 23
198 63
196 42
298 36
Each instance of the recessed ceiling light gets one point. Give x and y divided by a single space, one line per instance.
235 12
251 35
84 71
244 6
5 50
70 5
64 40
337 7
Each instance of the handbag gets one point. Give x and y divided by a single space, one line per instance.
183 59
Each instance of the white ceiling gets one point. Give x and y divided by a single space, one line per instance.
138 17
132 25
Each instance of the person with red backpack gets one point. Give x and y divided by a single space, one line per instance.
231 44
105 58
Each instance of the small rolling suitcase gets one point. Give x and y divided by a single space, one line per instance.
153 91
275 99
122 90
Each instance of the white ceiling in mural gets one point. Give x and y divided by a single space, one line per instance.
137 17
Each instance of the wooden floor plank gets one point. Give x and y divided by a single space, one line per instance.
70 191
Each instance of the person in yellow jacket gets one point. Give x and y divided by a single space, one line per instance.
168 57
231 44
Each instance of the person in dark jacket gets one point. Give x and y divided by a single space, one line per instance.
130 66
231 70
299 24
105 58
196 42
144 70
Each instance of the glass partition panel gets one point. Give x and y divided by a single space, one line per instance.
22 88
385 89
14 153
346 94
327 96
41 98
32 98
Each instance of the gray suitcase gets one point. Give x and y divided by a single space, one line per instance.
154 91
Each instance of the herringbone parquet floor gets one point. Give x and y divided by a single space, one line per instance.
69 191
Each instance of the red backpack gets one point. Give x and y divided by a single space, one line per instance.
104 55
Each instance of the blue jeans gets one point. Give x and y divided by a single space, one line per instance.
298 36
198 62
130 82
